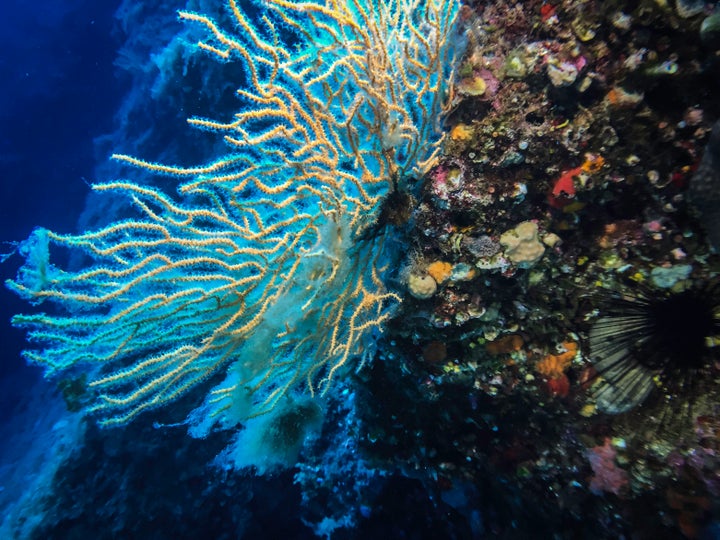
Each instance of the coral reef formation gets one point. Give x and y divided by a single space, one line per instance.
559 298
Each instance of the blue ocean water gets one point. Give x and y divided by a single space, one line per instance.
60 91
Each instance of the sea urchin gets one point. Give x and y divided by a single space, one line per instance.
654 338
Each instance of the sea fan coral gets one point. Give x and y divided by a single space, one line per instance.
261 268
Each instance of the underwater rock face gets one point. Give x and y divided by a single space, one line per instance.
572 133
710 30
704 191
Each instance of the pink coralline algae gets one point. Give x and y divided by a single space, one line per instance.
608 477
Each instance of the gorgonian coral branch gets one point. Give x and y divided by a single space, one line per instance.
259 266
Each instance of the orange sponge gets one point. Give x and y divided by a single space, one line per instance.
553 366
440 271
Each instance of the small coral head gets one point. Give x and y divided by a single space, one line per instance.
654 338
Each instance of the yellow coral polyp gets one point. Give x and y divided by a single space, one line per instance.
593 163
472 86
461 132
440 271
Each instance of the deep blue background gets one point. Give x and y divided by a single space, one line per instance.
59 90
